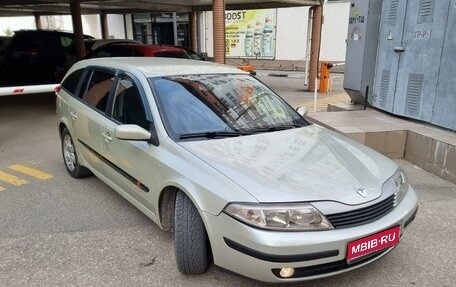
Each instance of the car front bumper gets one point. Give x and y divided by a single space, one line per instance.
260 254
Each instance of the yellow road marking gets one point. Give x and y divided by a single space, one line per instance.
31 171
14 180
2 188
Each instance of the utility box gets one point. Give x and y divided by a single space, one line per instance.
414 68
444 112
362 42
411 40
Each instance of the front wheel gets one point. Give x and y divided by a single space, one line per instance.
190 238
70 157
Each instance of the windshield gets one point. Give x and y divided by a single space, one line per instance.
220 105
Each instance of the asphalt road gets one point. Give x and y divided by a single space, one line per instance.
66 232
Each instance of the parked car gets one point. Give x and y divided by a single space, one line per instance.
212 154
141 50
38 56
93 44
4 43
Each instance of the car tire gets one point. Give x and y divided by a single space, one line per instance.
70 157
190 237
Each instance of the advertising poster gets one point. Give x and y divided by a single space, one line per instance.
250 33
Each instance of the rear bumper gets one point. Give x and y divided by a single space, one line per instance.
260 254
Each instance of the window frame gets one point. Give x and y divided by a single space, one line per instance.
144 102
89 73
78 84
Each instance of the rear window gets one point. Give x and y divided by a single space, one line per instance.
194 55
126 52
171 54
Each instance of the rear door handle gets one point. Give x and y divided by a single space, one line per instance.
73 115
107 136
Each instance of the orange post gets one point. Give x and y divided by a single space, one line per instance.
247 68
325 77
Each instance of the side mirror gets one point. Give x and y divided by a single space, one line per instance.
132 133
302 111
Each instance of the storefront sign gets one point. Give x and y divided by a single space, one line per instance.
250 33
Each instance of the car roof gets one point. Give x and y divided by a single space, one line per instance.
97 43
47 31
42 31
151 47
157 66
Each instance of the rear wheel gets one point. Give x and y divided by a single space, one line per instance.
190 237
70 157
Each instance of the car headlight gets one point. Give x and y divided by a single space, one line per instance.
280 217
399 183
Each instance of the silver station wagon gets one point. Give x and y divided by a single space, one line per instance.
211 154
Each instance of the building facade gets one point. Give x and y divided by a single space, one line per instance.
284 32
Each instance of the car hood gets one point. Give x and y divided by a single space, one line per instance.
301 164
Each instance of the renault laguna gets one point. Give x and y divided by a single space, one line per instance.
243 180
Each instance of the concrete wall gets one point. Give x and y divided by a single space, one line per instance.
116 26
335 27
16 23
90 24
129 25
291 33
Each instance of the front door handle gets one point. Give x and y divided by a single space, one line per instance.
107 136
73 115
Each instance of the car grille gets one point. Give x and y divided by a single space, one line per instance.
363 215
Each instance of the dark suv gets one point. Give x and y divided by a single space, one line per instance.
38 56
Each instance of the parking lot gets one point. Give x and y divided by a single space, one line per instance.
60 231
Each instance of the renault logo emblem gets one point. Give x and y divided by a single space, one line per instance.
361 191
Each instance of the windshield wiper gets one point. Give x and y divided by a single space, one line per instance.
275 128
211 135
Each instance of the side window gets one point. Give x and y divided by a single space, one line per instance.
103 53
65 41
97 94
128 106
71 82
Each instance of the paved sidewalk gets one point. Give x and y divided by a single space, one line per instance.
291 87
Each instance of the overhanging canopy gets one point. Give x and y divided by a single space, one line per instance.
52 7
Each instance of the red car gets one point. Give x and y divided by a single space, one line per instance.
140 50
